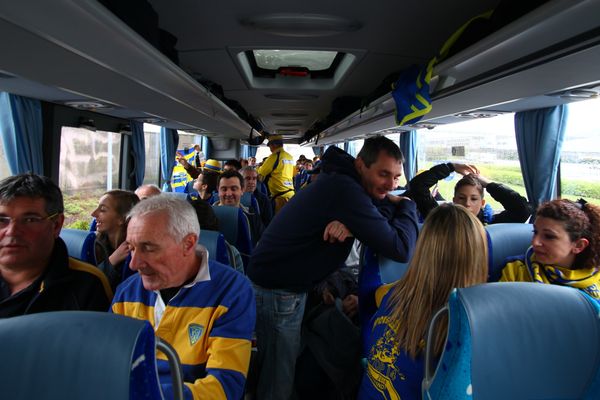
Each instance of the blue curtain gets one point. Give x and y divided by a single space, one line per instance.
169 140
245 152
318 150
408 145
22 133
252 151
350 148
540 136
206 147
248 151
138 149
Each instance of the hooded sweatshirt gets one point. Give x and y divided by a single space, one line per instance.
292 254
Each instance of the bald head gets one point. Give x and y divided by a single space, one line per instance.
146 191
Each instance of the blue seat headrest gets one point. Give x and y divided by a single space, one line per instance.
520 340
215 244
80 244
77 355
234 225
506 240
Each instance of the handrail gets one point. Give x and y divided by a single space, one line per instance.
174 365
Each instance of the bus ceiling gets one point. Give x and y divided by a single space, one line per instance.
307 72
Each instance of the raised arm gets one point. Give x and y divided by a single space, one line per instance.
516 207
189 168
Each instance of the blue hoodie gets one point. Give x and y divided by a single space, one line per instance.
292 254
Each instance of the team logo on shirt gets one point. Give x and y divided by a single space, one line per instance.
194 333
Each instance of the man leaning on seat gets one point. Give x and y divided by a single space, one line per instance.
204 309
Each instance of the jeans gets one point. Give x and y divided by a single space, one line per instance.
279 316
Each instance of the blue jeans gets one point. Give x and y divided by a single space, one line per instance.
279 316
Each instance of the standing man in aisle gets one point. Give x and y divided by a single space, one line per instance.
312 237
277 172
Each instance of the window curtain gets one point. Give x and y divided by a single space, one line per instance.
206 147
318 150
138 150
350 148
248 151
22 133
245 153
169 140
252 151
540 135
408 145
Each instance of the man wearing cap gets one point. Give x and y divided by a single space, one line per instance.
278 173
210 165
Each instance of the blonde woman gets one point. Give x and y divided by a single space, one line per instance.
451 252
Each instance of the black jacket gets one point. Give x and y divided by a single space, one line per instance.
67 284
292 254
516 208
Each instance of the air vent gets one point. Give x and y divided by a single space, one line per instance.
476 115
291 97
423 126
87 105
289 115
301 25
579 94
153 121
289 124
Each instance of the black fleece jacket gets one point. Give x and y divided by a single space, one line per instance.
292 254
516 207
67 284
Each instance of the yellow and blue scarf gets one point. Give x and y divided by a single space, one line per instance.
586 279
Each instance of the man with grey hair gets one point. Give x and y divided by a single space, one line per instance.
36 272
204 309
145 191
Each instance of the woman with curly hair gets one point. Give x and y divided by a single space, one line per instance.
565 248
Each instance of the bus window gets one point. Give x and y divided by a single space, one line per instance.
580 157
89 166
152 145
488 143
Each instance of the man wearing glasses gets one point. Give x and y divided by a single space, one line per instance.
36 273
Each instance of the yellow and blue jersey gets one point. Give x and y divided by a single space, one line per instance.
279 167
390 372
209 322
526 269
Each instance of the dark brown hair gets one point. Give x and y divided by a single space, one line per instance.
580 220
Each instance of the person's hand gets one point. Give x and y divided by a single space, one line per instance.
350 305
482 179
397 199
328 297
465 169
182 159
120 254
335 231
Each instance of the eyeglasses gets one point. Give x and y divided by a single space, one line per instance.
31 221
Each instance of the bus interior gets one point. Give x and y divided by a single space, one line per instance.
229 74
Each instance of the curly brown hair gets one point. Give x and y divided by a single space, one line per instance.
581 220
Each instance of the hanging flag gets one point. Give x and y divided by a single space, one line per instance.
411 90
